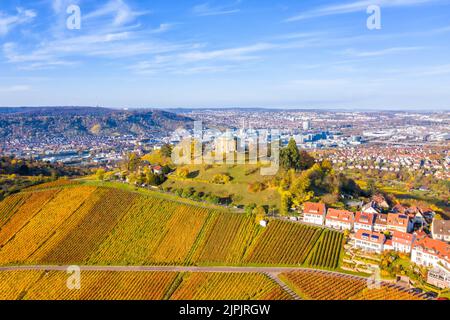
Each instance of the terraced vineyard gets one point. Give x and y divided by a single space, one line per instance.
284 243
325 254
135 285
229 286
81 224
318 285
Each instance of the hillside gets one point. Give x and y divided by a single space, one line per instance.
92 225
84 121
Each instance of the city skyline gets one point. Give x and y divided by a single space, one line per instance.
226 54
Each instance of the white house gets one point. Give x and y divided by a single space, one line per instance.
429 252
371 241
314 213
440 230
399 222
402 242
380 224
364 221
439 277
339 219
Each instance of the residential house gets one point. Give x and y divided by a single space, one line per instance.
380 201
314 213
370 207
380 224
440 230
430 252
364 221
371 241
157 170
439 277
399 222
402 242
339 219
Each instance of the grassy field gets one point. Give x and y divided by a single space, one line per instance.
200 177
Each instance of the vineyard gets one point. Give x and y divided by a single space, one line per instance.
89 225
136 285
284 243
326 253
317 285
228 286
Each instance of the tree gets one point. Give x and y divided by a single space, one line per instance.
132 162
166 150
286 202
249 209
305 161
371 187
100 174
290 156
221 179
151 178
182 172
260 213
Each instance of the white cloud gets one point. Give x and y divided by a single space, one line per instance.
205 9
383 52
118 10
22 16
163 27
15 88
349 7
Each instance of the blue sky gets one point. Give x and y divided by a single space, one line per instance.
250 53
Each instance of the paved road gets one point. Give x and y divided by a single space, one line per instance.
267 270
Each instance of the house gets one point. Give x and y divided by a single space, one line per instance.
370 207
388 246
157 170
440 230
339 219
402 242
430 252
364 221
371 241
314 213
380 224
439 277
380 201
399 208
399 222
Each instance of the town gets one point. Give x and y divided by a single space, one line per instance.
377 228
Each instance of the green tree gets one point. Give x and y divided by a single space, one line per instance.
166 150
290 156
100 174
286 202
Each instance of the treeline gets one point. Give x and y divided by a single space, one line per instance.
16 174
304 179
31 167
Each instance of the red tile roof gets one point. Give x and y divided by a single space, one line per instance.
364 218
402 237
314 208
434 247
340 215
397 220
